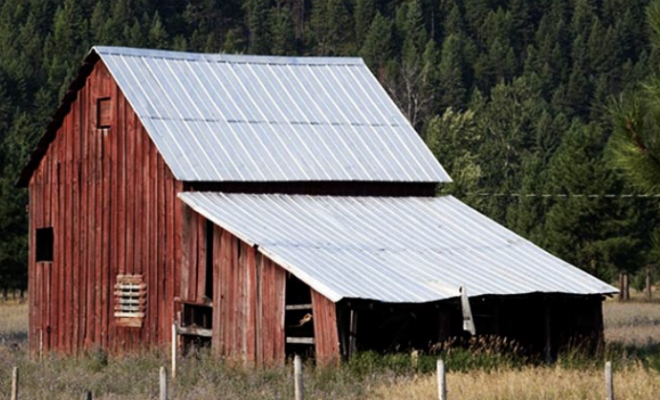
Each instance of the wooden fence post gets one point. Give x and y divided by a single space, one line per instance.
442 381
298 378
163 384
609 381
174 349
14 384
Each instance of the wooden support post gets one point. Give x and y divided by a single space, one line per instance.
609 381
174 348
163 384
548 332
352 334
298 378
442 381
14 384
88 395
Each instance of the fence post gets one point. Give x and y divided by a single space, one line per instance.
14 384
442 381
174 349
88 395
163 384
298 378
609 381
41 345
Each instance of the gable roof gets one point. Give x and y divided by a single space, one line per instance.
263 119
400 250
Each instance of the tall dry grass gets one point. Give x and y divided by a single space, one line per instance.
630 327
13 323
634 383
632 323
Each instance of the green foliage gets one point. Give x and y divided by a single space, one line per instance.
502 91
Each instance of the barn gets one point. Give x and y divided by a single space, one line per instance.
267 206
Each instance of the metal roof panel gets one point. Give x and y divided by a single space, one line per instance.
217 117
400 250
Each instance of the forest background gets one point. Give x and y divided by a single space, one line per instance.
512 96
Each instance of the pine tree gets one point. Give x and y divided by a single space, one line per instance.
157 36
377 48
283 39
365 11
258 25
451 86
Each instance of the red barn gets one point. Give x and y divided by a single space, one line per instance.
262 204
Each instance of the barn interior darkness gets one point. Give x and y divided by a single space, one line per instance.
539 324
298 318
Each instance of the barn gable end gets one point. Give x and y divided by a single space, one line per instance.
110 200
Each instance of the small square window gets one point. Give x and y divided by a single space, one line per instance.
104 113
44 245
130 300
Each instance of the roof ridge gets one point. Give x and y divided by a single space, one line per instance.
226 58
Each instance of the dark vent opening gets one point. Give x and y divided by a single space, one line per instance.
45 245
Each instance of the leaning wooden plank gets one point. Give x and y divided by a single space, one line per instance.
300 340
325 329
292 307
195 331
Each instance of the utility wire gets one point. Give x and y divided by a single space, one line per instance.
566 195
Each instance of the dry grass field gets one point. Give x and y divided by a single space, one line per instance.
632 329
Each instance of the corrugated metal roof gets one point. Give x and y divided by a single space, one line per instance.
404 250
255 118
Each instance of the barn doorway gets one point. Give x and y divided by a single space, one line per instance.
298 319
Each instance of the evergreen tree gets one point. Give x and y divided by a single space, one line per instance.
377 47
365 11
283 39
257 21
451 85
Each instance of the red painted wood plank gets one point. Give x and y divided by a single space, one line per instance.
82 137
105 242
69 306
251 306
77 287
57 259
201 259
169 252
325 329
153 262
216 340
161 232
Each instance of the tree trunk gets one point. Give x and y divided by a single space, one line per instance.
649 289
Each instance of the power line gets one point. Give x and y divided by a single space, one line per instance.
567 195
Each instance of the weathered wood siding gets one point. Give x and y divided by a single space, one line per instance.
326 335
248 298
248 304
111 202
